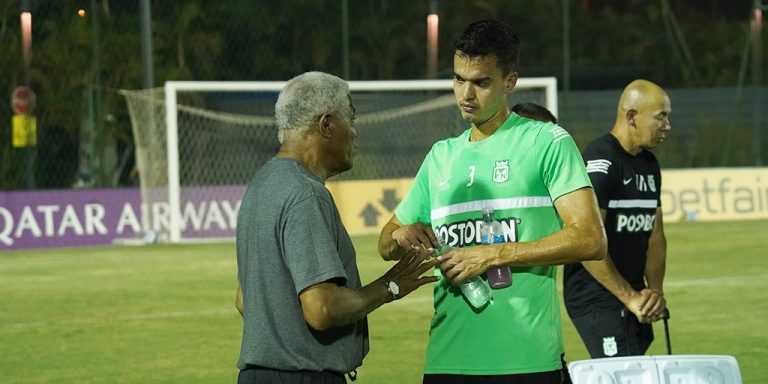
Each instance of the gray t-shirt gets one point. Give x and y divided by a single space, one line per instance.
290 237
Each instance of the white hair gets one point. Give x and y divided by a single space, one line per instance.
305 98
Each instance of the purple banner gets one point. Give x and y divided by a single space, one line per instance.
68 218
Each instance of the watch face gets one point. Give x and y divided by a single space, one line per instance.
394 288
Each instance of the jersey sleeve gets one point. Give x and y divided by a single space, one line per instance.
562 167
310 244
415 207
602 173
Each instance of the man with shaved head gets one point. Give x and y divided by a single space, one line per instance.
613 301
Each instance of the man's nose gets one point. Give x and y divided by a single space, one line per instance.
469 92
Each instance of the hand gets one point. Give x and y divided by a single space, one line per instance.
655 306
415 236
463 263
635 305
407 273
647 305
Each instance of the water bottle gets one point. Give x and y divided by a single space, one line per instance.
491 232
474 289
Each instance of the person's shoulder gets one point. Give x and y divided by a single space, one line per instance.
604 141
541 132
528 131
446 146
288 177
290 169
600 154
603 145
526 126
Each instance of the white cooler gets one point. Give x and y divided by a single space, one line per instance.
673 369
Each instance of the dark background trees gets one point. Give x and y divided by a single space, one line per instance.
678 43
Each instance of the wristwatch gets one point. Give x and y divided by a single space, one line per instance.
392 288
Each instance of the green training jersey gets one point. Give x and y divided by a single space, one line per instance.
518 171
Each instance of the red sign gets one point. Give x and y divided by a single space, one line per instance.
23 100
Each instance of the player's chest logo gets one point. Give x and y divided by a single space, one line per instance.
651 183
501 171
643 183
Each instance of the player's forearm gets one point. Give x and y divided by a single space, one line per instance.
351 305
581 238
656 256
656 265
571 244
605 272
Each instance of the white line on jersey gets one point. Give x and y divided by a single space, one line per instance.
633 203
559 133
599 165
477 205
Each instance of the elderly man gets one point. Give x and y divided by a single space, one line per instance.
300 293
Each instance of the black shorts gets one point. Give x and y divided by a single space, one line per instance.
551 377
608 333
259 375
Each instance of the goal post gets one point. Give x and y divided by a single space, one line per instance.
230 127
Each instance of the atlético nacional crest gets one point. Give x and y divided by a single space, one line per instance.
609 346
651 183
501 171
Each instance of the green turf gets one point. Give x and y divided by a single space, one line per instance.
164 314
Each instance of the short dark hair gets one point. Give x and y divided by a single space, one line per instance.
491 37
534 111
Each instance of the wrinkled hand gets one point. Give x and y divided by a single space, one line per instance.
463 263
416 236
407 273
648 306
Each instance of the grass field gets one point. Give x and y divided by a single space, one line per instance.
165 314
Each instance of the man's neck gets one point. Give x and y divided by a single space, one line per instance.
487 128
306 155
626 141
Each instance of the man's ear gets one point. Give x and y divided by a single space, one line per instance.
325 125
631 114
511 81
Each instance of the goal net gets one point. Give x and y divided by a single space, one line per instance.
199 143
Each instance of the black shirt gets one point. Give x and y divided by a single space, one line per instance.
628 188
